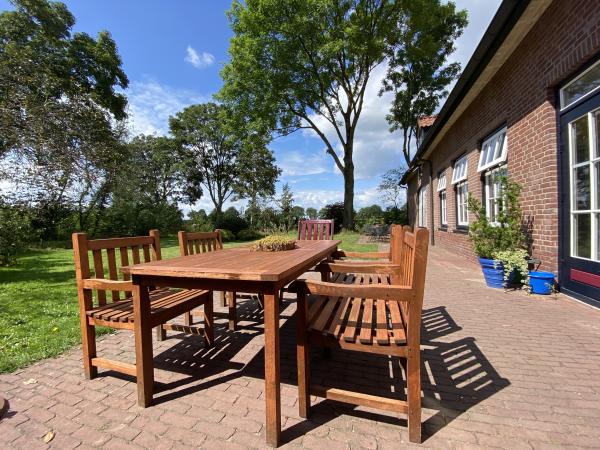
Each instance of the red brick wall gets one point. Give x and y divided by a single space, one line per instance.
521 95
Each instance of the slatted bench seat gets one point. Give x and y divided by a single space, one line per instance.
112 306
370 307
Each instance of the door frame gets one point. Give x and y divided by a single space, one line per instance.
584 292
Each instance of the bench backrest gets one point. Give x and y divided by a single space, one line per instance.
409 249
315 230
108 256
200 242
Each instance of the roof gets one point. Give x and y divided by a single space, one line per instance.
425 121
502 23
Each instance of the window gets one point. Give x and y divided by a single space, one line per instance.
584 84
493 193
460 170
462 213
442 190
421 216
584 154
493 151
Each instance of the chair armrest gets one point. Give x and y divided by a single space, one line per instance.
376 291
359 267
107 285
364 255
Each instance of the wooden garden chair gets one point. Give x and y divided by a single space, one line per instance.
370 308
202 242
315 230
396 235
113 304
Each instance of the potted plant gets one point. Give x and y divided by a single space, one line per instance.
501 245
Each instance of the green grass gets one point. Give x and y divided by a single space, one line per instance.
39 316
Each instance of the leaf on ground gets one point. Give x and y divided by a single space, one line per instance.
30 381
48 436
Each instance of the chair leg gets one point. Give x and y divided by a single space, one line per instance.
261 300
161 333
303 356
224 298
231 300
414 398
88 336
209 329
187 319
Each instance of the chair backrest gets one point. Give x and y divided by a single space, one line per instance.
108 256
200 242
315 230
409 249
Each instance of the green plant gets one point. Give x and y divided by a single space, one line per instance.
514 260
507 232
227 235
15 232
249 235
275 243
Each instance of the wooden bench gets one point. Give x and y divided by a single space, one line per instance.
372 307
113 304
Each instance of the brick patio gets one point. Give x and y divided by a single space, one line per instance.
500 370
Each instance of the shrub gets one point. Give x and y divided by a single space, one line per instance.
334 211
249 235
230 219
15 232
227 235
275 243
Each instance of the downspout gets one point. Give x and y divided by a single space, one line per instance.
431 206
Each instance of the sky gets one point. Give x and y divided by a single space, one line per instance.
173 52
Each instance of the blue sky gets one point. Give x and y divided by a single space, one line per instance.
173 51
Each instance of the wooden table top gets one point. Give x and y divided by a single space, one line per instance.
241 263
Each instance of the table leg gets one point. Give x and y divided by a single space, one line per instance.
144 364
272 390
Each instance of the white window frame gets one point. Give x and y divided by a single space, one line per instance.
493 194
462 210
584 96
422 207
443 208
493 150
441 181
460 170
593 163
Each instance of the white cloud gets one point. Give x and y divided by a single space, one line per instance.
318 198
198 60
151 104
296 163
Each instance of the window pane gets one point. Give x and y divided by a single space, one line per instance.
586 83
582 188
597 133
581 152
597 237
583 234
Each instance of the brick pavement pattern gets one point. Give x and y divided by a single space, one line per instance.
500 370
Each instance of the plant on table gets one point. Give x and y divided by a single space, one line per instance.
503 240
274 243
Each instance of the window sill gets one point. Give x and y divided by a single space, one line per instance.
461 229
443 228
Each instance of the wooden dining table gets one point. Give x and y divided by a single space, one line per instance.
235 270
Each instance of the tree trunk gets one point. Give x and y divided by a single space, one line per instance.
348 223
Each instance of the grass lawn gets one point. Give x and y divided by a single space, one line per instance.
39 316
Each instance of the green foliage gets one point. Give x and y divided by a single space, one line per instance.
275 243
514 260
507 234
395 215
370 215
290 60
230 219
285 203
249 235
312 213
333 211
15 232
418 73
227 235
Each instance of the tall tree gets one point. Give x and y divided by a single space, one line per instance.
418 69
227 161
286 204
390 187
306 65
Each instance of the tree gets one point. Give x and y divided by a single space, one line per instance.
311 213
225 160
286 203
370 215
390 187
334 211
418 72
306 65
57 89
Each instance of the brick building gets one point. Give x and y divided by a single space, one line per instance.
528 102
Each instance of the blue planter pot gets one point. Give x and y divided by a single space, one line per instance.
541 282
493 272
